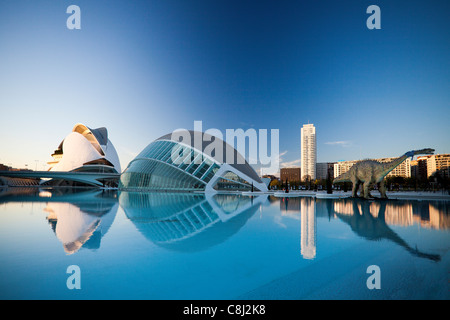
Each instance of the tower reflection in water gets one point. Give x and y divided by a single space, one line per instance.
368 219
188 222
306 207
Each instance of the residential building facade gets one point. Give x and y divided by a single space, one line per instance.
438 163
290 174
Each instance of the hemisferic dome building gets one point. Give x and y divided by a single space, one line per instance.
168 164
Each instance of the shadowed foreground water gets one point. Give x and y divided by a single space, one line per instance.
196 246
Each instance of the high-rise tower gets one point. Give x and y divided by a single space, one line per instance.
308 151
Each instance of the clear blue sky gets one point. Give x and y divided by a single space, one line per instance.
145 68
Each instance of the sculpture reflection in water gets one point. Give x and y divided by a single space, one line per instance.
369 220
188 222
373 226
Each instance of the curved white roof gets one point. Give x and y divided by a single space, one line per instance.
85 145
97 137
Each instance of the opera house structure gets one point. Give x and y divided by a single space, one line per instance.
87 150
170 165
85 157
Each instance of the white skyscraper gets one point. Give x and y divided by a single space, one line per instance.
308 152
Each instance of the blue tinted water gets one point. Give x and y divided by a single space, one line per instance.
185 246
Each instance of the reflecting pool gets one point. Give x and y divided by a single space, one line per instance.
223 246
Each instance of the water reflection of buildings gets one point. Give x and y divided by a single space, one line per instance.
429 214
79 225
306 206
188 222
308 228
78 217
82 219
369 220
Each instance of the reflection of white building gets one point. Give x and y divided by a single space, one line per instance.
87 150
343 207
308 228
438 218
401 215
397 213
79 225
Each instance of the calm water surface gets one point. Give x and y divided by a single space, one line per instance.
185 246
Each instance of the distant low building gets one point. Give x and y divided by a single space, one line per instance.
290 174
4 167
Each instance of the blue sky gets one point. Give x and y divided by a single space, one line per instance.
145 68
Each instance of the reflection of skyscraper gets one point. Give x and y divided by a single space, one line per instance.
308 151
308 228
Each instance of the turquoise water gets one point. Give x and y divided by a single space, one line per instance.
185 246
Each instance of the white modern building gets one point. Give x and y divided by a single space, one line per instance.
86 157
308 152
86 150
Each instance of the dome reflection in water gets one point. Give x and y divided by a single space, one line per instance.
186 221
159 245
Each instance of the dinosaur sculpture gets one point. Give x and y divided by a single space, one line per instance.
369 172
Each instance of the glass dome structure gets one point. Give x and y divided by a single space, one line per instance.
167 164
